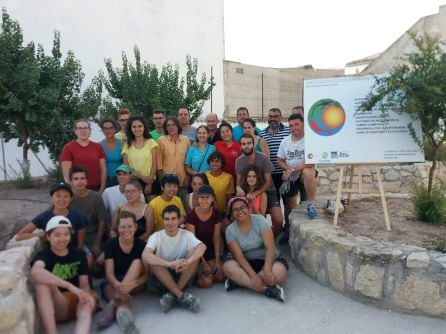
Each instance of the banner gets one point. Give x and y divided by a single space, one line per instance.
336 132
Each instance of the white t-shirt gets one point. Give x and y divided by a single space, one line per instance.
293 152
172 248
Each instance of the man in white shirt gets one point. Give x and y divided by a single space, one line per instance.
173 255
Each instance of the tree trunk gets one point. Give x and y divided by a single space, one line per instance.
432 169
25 163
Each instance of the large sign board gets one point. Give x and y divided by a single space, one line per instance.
336 132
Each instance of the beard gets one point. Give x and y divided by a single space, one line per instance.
248 151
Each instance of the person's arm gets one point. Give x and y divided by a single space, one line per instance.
270 253
110 272
239 190
150 226
66 166
264 188
264 147
217 247
154 164
189 170
27 233
99 236
263 204
114 223
102 174
80 243
149 257
196 255
159 160
190 228
125 158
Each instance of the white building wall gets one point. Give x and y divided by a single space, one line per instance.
164 30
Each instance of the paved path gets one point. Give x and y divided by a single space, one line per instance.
309 308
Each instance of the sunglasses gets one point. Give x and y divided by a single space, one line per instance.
170 177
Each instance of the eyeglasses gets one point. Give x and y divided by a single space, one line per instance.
170 177
82 128
273 116
131 191
123 119
240 208
108 128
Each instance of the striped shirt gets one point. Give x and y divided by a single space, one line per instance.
273 141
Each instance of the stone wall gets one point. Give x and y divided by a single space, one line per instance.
397 178
17 308
398 277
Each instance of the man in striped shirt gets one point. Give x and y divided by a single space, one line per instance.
274 134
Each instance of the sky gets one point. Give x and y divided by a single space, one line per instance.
324 33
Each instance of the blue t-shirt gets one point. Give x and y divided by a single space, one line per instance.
113 159
77 219
197 159
237 132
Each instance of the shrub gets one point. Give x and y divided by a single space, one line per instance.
429 207
55 173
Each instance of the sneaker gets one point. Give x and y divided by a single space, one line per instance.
189 301
105 318
125 321
230 285
311 211
276 292
167 301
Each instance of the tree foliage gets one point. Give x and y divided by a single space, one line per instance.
141 87
39 93
417 87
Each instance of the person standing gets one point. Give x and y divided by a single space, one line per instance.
123 117
189 131
260 145
196 160
229 148
212 124
83 151
241 114
112 148
158 121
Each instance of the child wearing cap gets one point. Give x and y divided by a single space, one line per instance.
60 198
60 277
205 222
169 188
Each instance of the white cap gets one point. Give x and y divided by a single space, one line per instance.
57 221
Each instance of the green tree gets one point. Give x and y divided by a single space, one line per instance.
141 87
39 94
417 87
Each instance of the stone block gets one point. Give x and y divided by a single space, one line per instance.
349 274
418 260
310 256
8 278
335 274
334 176
420 294
323 182
343 245
391 175
309 227
369 281
12 306
16 258
441 260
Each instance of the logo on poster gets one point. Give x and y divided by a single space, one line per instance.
326 117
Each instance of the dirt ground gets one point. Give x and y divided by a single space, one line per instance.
365 217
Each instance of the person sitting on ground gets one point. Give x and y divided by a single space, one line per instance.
173 255
169 191
90 204
60 278
133 191
291 158
205 221
252 180
196 160
255 263
197 181
60 198
125 274
260 145
221 182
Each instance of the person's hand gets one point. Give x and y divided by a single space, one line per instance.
286 174
176 264
148 189
84 297
218 267
96 249
257 283
252 196
240 191
269 279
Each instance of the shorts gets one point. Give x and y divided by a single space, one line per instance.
257 264
72 302
157 287
298 187
272 199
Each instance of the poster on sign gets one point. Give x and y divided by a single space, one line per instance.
337 132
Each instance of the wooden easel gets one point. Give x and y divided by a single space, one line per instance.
360 189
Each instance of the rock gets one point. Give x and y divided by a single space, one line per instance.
16 259
331 207
8 279
420 294
349 274
391 175
12 305
418 260
309 227
343 245
369 281
310 256
441 260
334 176
335 271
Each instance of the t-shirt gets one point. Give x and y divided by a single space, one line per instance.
172 248
197 159
273 141
92 207
204 230
171 154
293 152
223 186
140 159
231 153
113 159
121 260
113 197
69 267
121 136
251 243
237 132
190 133
155 135
261 161
88 156
158 204
77 219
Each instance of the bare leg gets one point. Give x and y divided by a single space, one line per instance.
166 279
48 301
310 182
279 272
84 315
276 219
236 274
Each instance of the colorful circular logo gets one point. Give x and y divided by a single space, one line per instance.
326 117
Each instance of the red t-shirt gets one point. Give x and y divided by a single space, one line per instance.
231 153
88 157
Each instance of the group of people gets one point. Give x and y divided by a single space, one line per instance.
168 208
